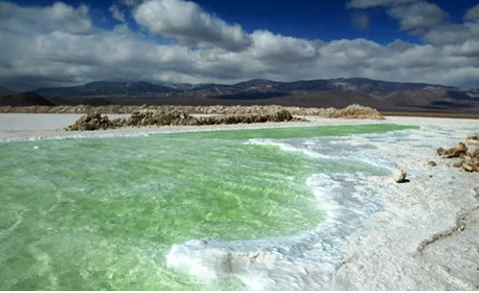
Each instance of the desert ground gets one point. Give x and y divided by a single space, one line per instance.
424 238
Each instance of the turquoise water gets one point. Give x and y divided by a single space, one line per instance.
101 214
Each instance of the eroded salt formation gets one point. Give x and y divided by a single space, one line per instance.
96 121
469 158
351 112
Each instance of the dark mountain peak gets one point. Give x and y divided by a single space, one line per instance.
371 85
107 88
141 83
255 83
5 89
97 84
5 92
259 80
136 89
25 99
337 92
207 87
101 83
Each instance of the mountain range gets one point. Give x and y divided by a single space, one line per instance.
339 92
5 92
146 89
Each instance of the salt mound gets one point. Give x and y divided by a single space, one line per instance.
359 112
92 121
469 158
163 117
351 112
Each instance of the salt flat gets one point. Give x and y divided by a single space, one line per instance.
51 125
39 122
30 126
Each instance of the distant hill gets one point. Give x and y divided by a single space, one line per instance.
25 99
5 92
383 95
143 89
107 88
59 101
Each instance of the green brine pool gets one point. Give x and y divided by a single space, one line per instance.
102 213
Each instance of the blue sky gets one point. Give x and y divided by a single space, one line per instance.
310 19
228 41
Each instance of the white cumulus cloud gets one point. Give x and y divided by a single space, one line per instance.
418 17
453 34
190 24
268 46
57 45
59 16
117 13
472 14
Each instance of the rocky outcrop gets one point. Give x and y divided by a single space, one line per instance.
96 121
473 139
279 116
399 175
469 161
470 166
92 121
156 118
457 152
351 112
359 112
